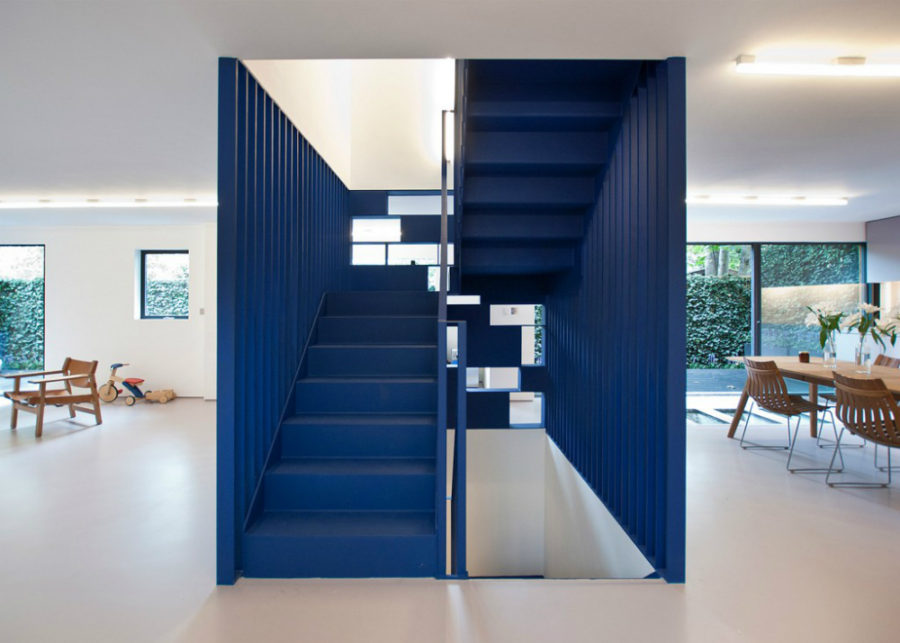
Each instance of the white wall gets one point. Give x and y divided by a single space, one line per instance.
531 514
210 313
375 122
581 537
882 256
317 96
505 517
397 123
729 230
90 302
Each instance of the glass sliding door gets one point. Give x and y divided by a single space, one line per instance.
718 315
794 276
21 308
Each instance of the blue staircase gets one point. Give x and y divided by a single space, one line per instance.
535 138
350 488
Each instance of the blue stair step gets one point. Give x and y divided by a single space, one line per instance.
367 395
349 435
353 544
528 192
390 302
351 484
377 330
372 359
536 152
503 260
542 115
496 227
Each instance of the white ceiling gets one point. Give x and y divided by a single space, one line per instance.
118 97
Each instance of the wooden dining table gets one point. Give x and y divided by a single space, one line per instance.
816 374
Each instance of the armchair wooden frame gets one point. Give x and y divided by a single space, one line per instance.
74 374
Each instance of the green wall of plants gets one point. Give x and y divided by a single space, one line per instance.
167 298
718 320
22 324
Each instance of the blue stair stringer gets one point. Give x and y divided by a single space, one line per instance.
350 488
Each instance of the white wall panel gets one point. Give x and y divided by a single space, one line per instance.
90 294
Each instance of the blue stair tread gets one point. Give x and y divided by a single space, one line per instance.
353 466
380 346
370 315
343 524
356 379
389 419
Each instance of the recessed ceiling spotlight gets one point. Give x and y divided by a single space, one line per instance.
842 66
765 200
141 202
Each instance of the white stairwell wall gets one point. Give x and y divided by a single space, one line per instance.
530 513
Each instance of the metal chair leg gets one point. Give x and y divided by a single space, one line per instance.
888 468
824 444
752 445
855 484
809 469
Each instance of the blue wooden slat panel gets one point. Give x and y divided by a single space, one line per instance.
283 241
368 203
615 325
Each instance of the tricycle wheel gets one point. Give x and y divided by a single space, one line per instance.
108 392
129 401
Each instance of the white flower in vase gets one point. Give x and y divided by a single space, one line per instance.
851 321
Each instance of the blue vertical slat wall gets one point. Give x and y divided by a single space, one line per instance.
616 329
282 242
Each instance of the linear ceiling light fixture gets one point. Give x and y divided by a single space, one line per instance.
761 200
22 204
844 66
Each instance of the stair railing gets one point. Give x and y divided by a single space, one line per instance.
255 506
458 467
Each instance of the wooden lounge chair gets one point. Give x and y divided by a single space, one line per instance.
74 374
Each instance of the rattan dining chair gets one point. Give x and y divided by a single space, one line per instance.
883 360
868 409
767 389
831 399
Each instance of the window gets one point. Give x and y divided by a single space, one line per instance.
718 311
724 317
21 308
418 204
374 229
794 276
492 378
419 254
164 284
368 254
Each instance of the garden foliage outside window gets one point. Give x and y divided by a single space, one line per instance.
164 284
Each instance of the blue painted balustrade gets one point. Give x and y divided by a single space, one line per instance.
616 328
570 192
332 400
282 242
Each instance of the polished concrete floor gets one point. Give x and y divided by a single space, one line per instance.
106 534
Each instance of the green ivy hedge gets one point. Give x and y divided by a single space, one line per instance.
166 299
22 324
809 264
718 320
